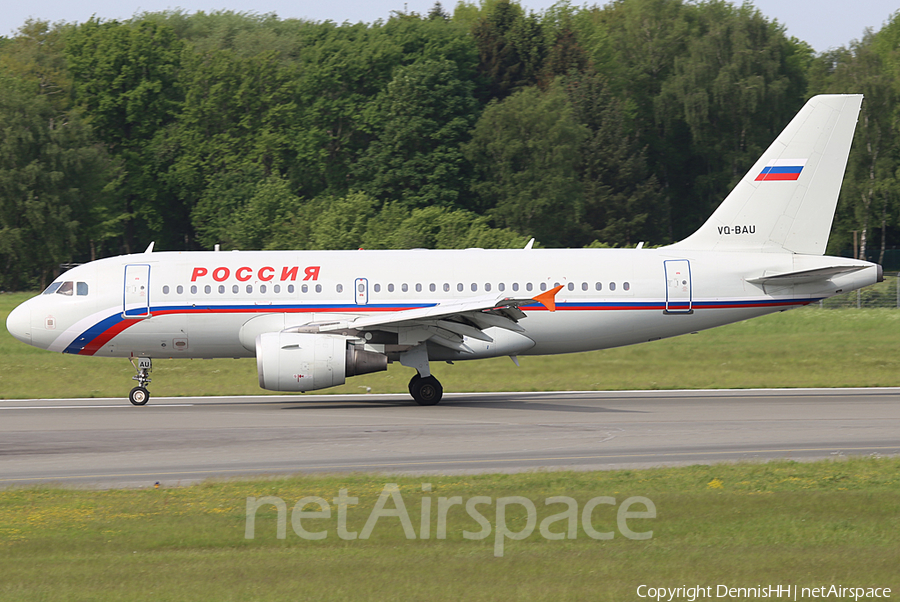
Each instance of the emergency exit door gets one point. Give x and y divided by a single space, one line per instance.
678 286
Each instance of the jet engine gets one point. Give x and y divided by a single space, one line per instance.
291 361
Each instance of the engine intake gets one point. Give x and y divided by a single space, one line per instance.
292 361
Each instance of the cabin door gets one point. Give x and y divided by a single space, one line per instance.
678 286
137 291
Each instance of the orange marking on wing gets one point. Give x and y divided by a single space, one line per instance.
548 299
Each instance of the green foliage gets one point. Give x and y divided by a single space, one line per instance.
424 114
51 185
526 153
623 202
125 79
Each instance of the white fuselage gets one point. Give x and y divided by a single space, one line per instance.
201 304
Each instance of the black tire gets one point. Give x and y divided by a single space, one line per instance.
139 396
416 377
427 391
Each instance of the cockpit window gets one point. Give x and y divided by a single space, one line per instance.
52 288
66 288
81 289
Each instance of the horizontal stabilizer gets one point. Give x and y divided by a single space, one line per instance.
804 276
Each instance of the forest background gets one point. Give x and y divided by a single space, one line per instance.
593 126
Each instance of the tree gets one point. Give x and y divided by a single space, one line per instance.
52 179
526 154
125 79
425 113
623 202
511 48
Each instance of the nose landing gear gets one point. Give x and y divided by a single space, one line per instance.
139 395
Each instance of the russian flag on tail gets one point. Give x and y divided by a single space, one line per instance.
781 170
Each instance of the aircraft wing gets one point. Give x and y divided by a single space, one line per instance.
447 323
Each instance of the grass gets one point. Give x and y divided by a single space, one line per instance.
809 524
801 348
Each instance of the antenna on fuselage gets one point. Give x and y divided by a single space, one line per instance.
150 248
530 244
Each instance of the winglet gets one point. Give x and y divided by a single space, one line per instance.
548 299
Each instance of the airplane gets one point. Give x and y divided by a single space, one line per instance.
313 318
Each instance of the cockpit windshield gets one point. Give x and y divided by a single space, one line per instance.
67 288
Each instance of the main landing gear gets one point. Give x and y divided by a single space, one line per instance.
426 390
139 395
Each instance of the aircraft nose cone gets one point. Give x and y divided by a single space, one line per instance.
19 323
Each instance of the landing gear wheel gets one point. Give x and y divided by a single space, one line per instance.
416 377
426 390
139 396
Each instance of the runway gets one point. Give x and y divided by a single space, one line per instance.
109 443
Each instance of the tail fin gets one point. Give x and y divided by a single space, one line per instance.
786 201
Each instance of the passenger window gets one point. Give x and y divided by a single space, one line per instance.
318 288
543 286
304 288
612 286
277 288
599 286
460 287
339 288
66 288
249 288
446 287
221 289
432 287
290 288
193 289
626 286
487 286
418 287
501 287
390 288
377 288
235 289
474 287
515 286
584 286
528 286
262 288
571 286
165 289
404 287
179 289
207 289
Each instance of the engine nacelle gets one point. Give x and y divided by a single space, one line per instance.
292 361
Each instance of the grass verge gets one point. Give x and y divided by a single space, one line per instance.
744 525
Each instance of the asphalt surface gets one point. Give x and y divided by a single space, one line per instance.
110 443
